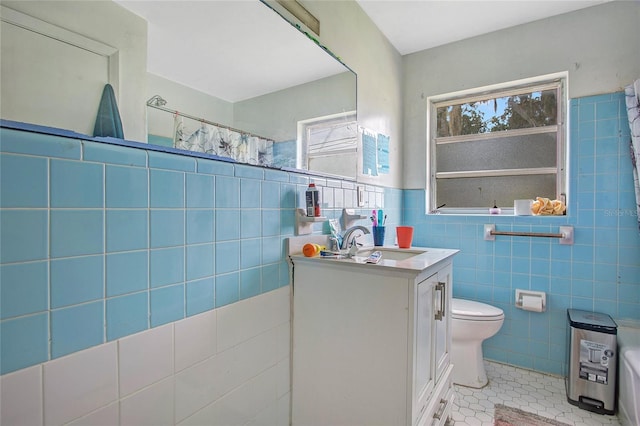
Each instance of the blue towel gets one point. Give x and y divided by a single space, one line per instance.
108 121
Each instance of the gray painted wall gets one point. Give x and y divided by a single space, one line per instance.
186 100
598 46
349 33
112 25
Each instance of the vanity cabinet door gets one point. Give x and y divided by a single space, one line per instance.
423 356
442 320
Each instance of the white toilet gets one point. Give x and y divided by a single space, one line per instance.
471 323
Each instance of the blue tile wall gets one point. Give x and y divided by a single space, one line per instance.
23 181
167 228
136 180
600 272
167 304
163 160
25 235
227 224
23 289
227 256
227 289
112 154
250 223
200 296
127 315
166 189
25 341
200 191
77 327
101 241
200 261
76 280
76 184
227 192
126 230
200 226
250 283
41 145
166 266
76 232
250 193
126 272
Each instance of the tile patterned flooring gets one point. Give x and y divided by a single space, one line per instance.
527 390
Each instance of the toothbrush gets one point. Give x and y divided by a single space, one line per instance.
375 219
380 218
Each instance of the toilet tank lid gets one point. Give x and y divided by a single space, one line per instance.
473 309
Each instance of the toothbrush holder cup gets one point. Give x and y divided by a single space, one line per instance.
378 235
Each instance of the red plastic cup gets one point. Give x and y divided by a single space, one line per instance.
405 236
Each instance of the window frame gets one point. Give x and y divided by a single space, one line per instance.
560 79
337 120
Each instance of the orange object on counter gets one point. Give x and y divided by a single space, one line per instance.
310 250
405 236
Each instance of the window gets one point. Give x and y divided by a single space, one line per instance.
329 144
497 145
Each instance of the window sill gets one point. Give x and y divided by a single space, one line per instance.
506 212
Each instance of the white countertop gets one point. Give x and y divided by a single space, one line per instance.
424 258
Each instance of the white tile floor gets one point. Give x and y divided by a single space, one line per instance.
527 390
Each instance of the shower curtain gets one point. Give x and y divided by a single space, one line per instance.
223 142
632 99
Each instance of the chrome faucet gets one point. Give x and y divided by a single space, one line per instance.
348 240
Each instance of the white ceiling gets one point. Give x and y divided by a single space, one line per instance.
414 25
238 49
231 49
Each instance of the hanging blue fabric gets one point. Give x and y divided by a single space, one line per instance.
108 121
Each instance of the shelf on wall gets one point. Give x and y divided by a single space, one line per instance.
304 223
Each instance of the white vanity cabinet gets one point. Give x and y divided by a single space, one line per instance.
433 391
371 342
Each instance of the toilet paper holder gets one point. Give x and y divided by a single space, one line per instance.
529 300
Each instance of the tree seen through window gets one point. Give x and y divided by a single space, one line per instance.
533 109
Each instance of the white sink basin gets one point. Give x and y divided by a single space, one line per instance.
388 253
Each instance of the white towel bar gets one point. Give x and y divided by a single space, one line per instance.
565 235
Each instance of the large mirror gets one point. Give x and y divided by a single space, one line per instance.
236 79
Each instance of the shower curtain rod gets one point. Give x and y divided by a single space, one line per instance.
158 102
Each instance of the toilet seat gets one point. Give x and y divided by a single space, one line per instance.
470 310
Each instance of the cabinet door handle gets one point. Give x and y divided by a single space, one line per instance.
443 298
443 405
441 311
